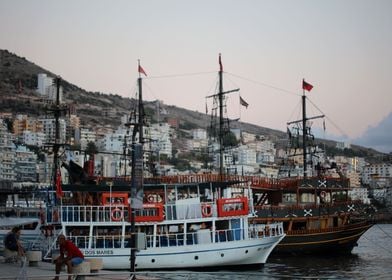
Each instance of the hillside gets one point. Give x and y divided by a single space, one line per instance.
18 81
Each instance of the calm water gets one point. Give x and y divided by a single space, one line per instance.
372 259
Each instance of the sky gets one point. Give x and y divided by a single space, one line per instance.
342 47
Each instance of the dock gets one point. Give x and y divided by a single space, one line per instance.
46 270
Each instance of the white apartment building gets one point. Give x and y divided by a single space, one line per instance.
199 134
33 138
343 145
248 137
25 165
227 160
7 152
47 88
246 155
160 139
359 194
265 157
374 171
49 129
196 144
111 142
85 136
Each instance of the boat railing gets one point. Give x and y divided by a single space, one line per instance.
265 230
120 213
302 206
201 236
99 214
153 212
20 212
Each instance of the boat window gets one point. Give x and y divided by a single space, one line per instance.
107 230
171 193
79 231
148 230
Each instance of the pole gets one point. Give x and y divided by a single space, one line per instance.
56 145
133 195
220 96
304 134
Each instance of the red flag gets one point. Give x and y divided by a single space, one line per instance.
220 63
243 102
306 86
141 70
59 189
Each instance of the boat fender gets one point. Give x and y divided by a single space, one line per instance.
206 210
117 214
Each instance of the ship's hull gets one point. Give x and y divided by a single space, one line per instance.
242 252
338 240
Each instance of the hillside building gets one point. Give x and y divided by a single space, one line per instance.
47 88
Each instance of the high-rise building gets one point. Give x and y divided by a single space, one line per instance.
47 88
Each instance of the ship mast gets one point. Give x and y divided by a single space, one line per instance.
221 132
137 168
304 135
305 132
221 120
58 110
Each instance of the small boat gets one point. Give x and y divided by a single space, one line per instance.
30 226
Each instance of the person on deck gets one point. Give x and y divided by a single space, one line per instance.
12 242
70 255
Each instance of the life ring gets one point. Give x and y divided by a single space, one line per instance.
323 194
206 210
117 214
150 198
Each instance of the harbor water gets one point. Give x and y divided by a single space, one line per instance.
371 259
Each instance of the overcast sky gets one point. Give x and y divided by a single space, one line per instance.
343 48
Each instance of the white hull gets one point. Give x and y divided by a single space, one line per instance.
242 252
185 233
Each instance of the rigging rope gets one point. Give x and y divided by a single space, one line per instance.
178 75
265 84
334 124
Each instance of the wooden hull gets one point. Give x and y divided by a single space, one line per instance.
338 240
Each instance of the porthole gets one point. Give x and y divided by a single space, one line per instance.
196 257
246 252
153 260
222 255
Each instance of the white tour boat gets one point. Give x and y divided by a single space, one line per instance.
180 226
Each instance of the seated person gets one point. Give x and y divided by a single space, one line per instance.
12 242
70 255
